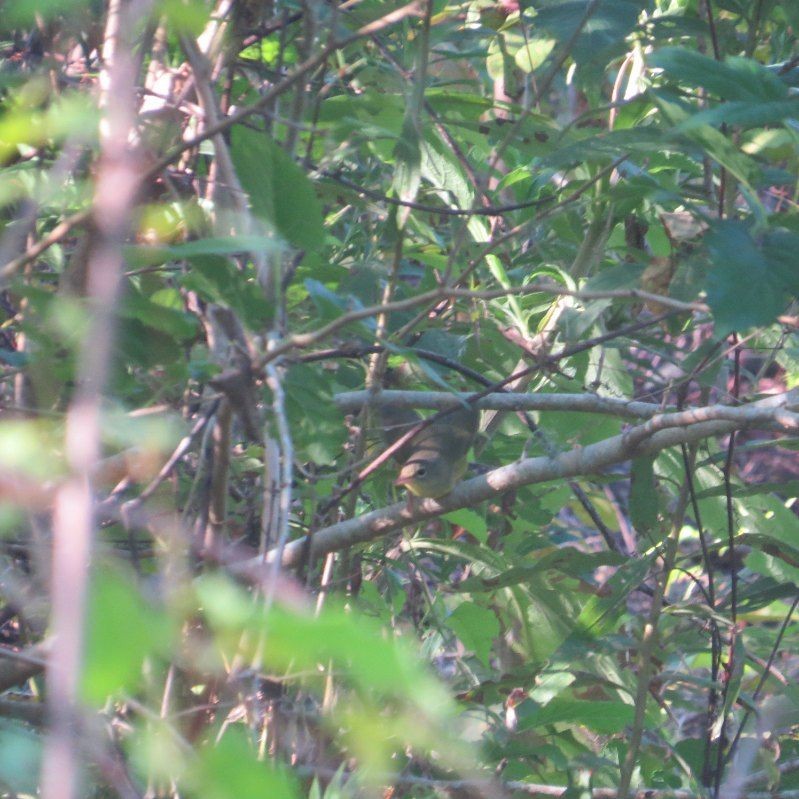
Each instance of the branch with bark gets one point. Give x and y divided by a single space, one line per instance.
654 435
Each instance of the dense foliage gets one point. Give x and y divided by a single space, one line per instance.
219 220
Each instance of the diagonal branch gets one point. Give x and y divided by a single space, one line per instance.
578 461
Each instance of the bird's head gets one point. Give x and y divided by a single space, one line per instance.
428 475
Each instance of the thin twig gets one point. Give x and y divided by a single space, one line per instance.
302 340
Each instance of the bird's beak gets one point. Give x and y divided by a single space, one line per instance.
401 481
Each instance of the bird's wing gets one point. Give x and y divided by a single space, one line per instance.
396 422
453 433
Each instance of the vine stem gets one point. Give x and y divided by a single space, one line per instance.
648 642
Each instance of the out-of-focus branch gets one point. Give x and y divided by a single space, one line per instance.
116 187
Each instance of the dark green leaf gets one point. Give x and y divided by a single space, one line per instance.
178 324
139 256
739 266
603 32
643 494
734 79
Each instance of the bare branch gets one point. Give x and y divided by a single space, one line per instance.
579 461
439 400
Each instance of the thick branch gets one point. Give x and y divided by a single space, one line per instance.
579 461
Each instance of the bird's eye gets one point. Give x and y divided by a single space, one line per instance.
421 471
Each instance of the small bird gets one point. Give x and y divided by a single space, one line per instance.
434 460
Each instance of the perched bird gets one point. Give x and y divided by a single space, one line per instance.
434 460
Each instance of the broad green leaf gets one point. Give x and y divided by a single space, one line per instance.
139 256
744 114
774 567
123 631
22 13
724 151
32 448
738 265
177 324
280 192
477 627
602 717
301 640
218 280
27 125
531 55
231 769
185 16
472 522
445 174
734 79
601 613
603 33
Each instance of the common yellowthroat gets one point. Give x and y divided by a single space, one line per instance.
434 460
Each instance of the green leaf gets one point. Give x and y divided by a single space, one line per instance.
139 255
744 114
304 641
280 192
477 627
733 677
734 79
472 522
602 717
530 57
31 448
600 614
643 495
408 167
217 279
231 769
739 266
601 35
123 631
445 174
775 567
177 324
21 13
